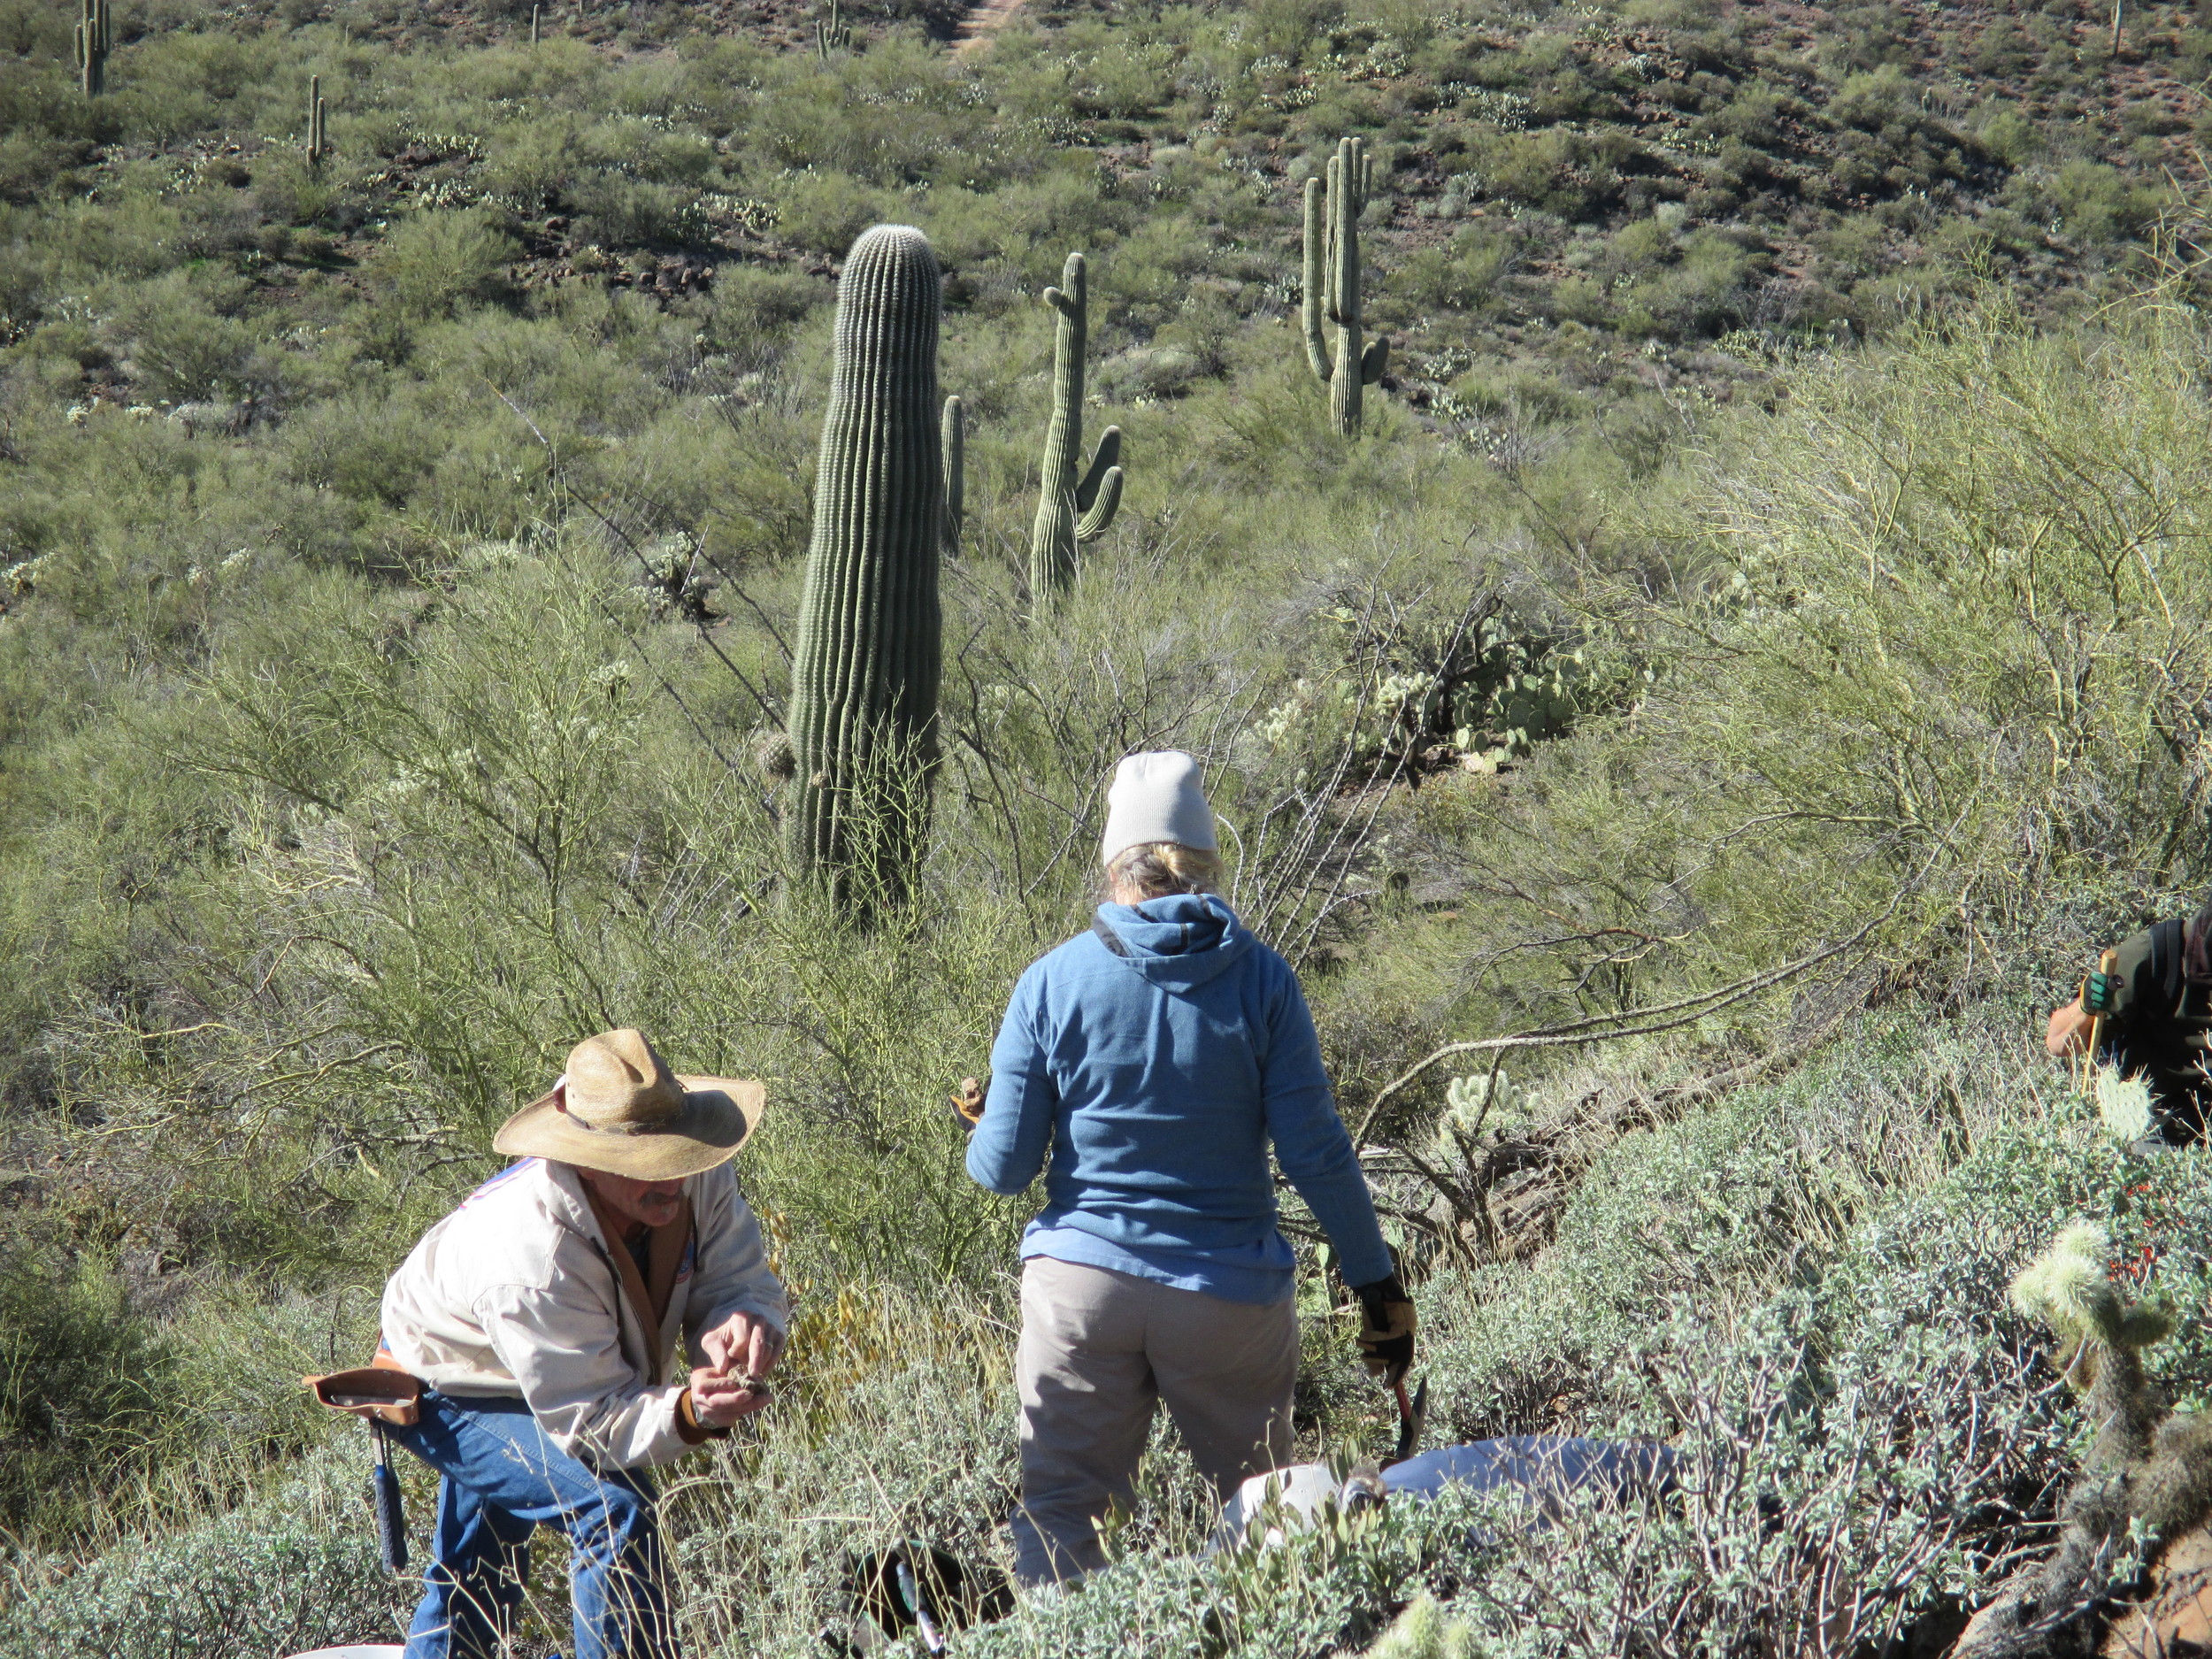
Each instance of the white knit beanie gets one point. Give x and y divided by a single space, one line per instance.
1156 797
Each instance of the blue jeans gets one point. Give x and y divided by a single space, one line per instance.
503 1479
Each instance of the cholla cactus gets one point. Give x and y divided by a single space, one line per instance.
2147 1476
2066 1289
1071 510
1474 1103
94 40
1426 1629
1331 285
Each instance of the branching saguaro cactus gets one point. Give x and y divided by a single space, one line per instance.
1331 285
863 705
1070 512
94 39
317 145
832 35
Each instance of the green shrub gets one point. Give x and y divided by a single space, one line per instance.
438 261
82 1381
182 347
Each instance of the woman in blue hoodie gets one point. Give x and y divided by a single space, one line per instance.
1152 1060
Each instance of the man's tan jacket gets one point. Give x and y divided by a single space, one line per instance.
520 1292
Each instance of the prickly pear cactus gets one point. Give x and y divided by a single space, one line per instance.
1332 285
1071 510
864 706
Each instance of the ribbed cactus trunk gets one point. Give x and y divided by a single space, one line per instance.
317 145
1336 353
94 39
864 706
1071 510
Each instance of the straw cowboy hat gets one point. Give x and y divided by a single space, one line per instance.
626 1113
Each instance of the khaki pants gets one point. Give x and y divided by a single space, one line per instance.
1099 1350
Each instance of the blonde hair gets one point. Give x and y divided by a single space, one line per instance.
1152 869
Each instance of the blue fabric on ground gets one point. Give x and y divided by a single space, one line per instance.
1538 1464
502 1479
1155 1081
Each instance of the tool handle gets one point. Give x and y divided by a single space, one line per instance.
391 1513
2106 962
917 1599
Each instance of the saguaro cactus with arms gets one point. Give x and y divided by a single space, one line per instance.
1332 285
864 706
1070 512
94 39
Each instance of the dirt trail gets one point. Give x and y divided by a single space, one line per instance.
983 19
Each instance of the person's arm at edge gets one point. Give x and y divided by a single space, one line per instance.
1311 1140
1008 1149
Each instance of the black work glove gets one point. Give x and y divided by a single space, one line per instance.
2100 992
1386 1330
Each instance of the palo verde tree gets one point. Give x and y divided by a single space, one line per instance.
1070 512
1332 285
863 705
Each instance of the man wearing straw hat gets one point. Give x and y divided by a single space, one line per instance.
545 1314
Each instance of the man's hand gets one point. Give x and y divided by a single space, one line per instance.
743 1344
719 1399
2069 1030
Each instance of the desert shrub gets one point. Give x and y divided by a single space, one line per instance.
274 1583
81 1379
1460 276
824 212
439 261
183 347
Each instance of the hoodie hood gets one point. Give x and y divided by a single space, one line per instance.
1177 942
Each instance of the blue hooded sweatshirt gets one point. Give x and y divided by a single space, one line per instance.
1156 1070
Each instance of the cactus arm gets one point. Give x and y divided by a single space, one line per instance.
1107 460
953 442
1309 298
1106 503
1375 361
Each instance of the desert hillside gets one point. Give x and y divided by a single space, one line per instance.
1754 650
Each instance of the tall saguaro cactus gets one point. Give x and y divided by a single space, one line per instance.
864 703
832 35
94 39
1331 285
318 145
1070 512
